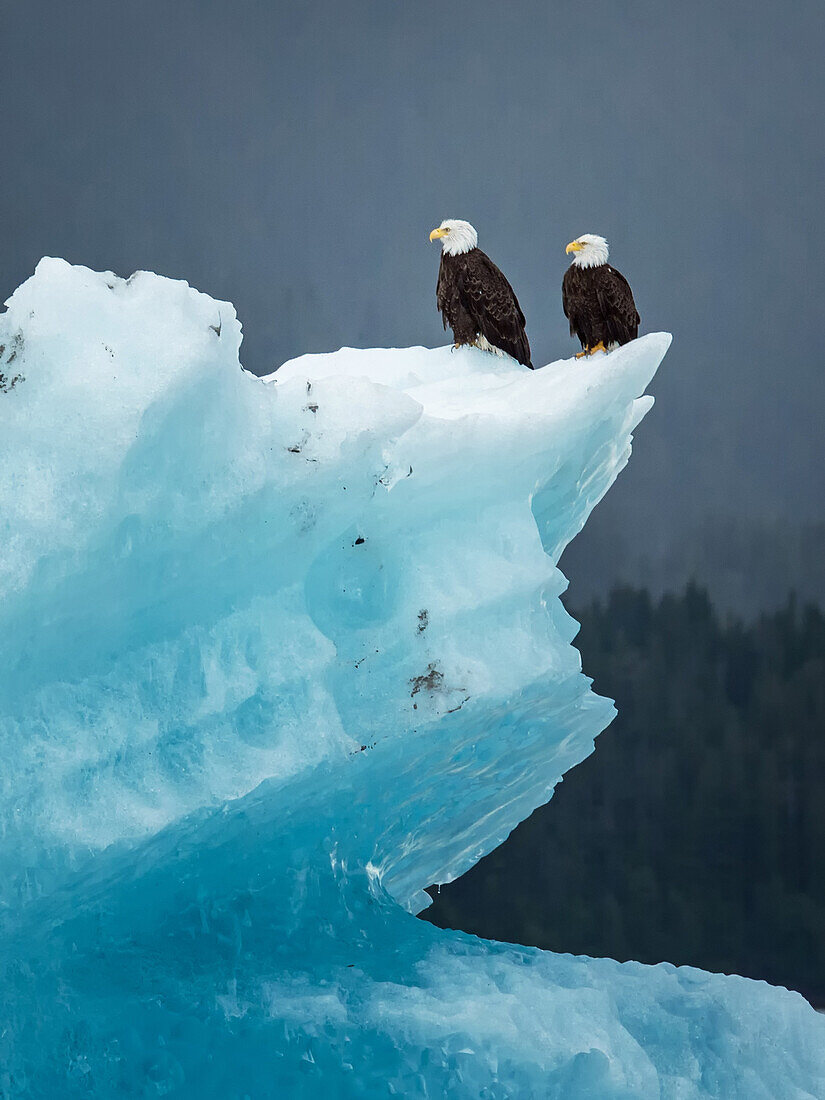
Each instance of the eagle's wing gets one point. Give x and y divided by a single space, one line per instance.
617 306
449 298
442 294
570 301
492 303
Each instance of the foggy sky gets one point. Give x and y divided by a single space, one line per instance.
292 158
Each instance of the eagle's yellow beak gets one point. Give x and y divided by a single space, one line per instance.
436 233
574 246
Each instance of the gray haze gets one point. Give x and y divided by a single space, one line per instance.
293 158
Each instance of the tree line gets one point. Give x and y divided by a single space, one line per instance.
695 833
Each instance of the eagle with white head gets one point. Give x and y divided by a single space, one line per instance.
597 298
474 297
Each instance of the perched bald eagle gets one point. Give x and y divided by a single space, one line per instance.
597 298
474 297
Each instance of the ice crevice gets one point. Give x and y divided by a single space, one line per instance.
275 655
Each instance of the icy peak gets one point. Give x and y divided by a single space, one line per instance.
256 542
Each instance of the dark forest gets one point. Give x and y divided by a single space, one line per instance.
695 833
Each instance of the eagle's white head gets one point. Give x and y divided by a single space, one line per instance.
589 250
456 236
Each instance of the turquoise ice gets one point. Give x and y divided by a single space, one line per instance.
274 656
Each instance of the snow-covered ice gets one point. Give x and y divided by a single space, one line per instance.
274 656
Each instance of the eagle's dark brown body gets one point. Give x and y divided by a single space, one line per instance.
475 300
599 304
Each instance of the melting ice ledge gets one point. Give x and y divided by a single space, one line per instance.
274 656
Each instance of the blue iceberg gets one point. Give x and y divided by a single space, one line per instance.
275 655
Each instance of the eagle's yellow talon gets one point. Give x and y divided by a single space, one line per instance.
598 347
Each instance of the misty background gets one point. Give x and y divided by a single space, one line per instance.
293 158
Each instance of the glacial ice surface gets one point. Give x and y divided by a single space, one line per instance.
274 656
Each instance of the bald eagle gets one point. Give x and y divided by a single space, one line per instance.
474 297
597 298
